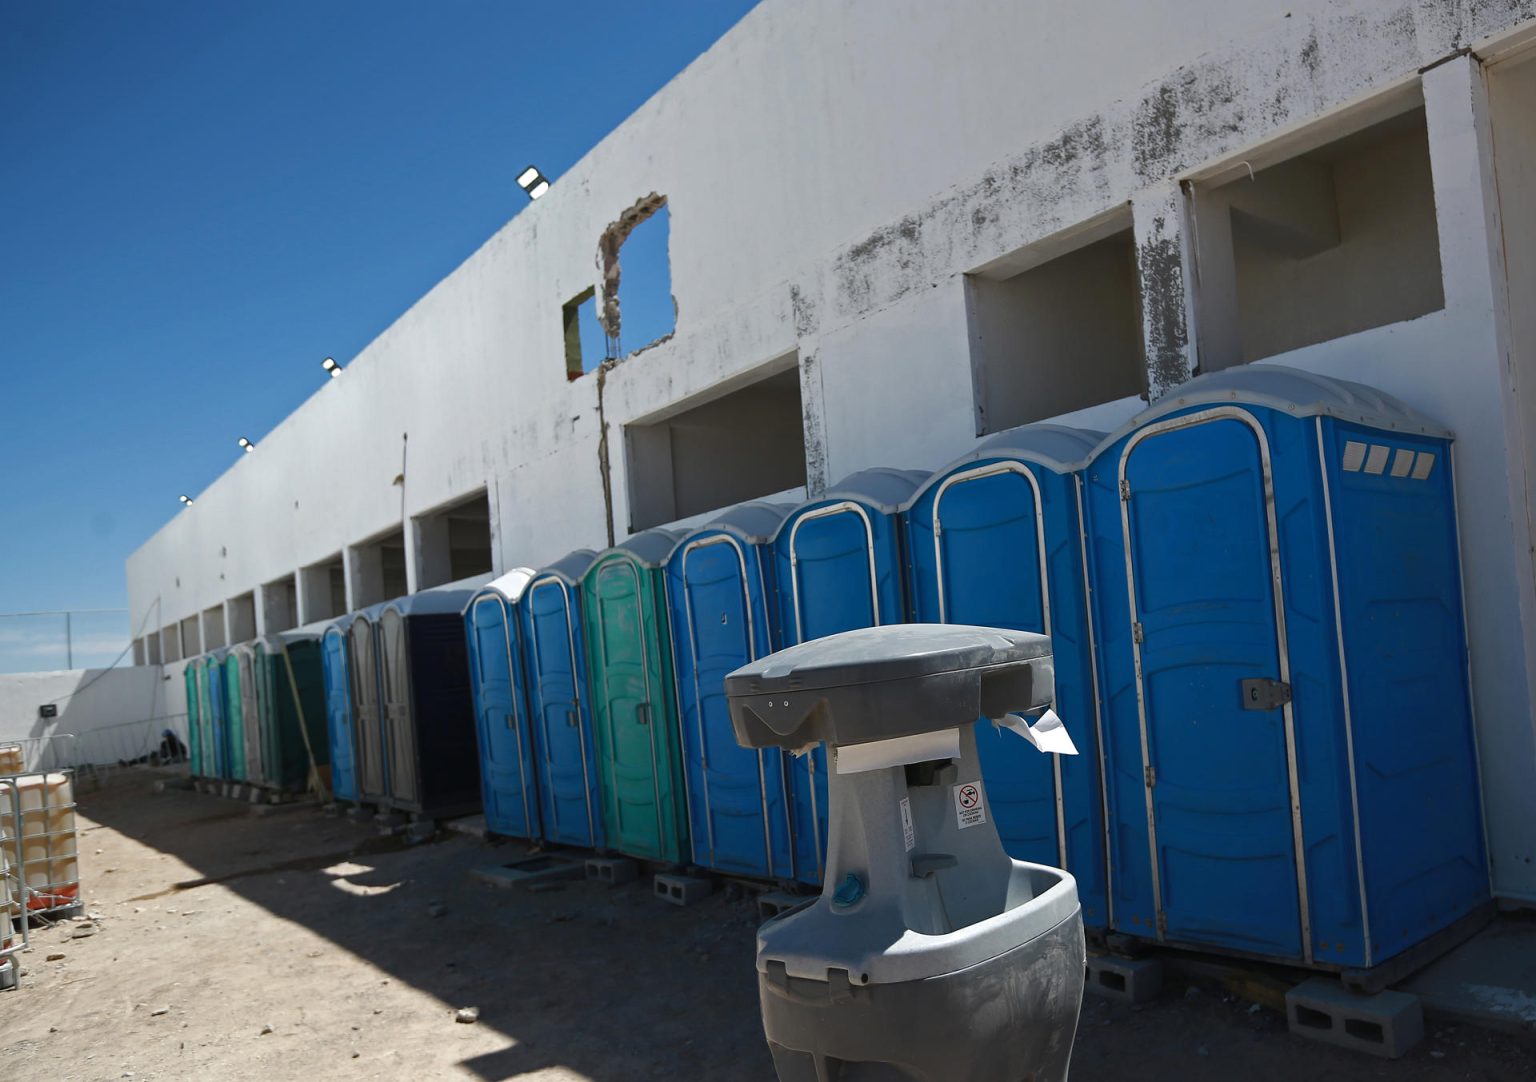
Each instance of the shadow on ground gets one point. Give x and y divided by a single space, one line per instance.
610 984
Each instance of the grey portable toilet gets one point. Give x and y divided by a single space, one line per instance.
931 955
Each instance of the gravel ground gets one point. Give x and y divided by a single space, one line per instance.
295 946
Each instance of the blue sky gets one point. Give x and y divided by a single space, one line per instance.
200 201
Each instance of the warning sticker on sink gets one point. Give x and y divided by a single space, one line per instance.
970 809
908 832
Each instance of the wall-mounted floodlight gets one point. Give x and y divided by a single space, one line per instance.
330 365
533 182
185 499
247 445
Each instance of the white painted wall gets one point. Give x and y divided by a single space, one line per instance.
832 174
111 713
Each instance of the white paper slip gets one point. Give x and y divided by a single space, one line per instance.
1049 734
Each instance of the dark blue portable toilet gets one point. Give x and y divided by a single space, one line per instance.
836 567
508 791
1283 661
554 665
995 538
429 717
338 708
738 801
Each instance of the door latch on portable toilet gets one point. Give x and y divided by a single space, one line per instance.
1262 693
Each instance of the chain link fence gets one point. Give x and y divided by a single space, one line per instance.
63 639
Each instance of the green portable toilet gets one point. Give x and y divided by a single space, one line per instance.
634 702
292 728
194 718
234 719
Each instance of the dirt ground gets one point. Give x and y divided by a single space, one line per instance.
296 946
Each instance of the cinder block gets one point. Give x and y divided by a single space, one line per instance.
773 902
8 973
612 870
1129 980
1385 1024
359 814
389 823
420 830
682 889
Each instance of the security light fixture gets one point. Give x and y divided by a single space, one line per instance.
533 182
330 365
186 499
247 445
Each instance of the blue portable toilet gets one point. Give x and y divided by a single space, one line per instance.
338 709
218 725
717 595
995 538
836 567
1291 769
508 791
554 665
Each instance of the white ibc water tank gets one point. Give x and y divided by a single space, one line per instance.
49 863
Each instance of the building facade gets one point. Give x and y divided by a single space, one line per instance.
896 227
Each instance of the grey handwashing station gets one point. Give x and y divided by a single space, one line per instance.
930 954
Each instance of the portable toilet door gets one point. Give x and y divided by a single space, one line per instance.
995 539
218 715
338 709
250 711
429 717
367 712
565 756
738 803
633 705
1287 720
294 729
207 727
194 719
507 787
234 717
836 567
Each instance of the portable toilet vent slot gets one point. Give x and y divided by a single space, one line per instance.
1283 663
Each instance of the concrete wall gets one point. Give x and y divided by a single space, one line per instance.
112 713
833 175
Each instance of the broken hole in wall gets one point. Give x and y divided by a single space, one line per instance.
586 346
1060 335
740 441
453 542
1326 243
637 309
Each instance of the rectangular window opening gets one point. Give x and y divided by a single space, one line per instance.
280 605
637 308
1331 242
378 569
1060 336
170 643
585 345
240 613
454 542
718 449
152 648
324 590
213 628
191 638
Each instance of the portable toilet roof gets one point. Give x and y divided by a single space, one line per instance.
569 567
650 547
508 587
1059 448
1291 391
882 487
754 523
429 602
